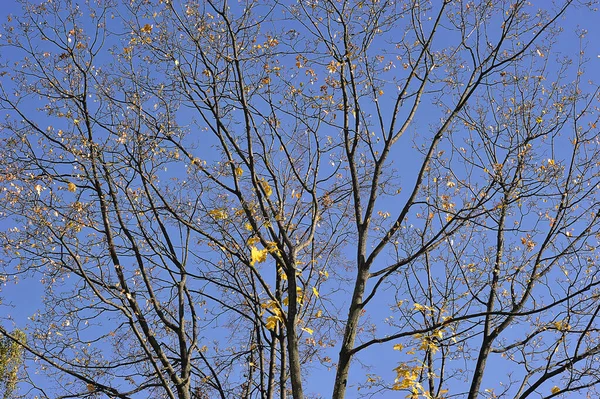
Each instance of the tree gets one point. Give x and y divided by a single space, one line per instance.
226 200
11 357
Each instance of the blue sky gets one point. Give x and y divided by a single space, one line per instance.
381 356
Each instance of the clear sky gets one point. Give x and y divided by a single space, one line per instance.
25 294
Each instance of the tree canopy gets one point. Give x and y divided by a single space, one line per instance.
273 199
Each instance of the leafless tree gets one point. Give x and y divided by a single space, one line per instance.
227 199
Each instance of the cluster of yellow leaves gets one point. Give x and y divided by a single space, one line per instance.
429 342
407 377
423 308
282 274
72 187
551 165
299 294
147 29
272 322
276 314
383 214
266 188
528 242
198 162
272 247
555 390
258 255
446 203
333 66
562 325
218 214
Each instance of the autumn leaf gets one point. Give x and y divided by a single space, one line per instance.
418 307
258 255
332 66
72 187
555 389
315 291
282 274
272 322
266 187
146 29
218 214
308 330
562 325
252 240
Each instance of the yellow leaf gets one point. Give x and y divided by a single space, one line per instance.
248 227
418 307
258 255
218 214
72 187
332 66
239 171
272 247
315 292
562 325
265 185
282 274
252 240
539 119
91 388
308 330
146 28
272 322
555 389
398 347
